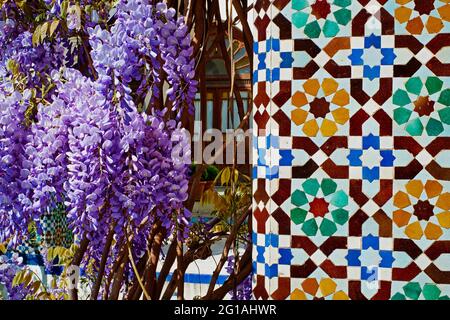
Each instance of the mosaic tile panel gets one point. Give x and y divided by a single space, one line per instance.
351 149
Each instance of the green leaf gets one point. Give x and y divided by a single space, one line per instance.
22 4
53 27
35 287
2 248
36 36
64 7
225 178
236 176
18 279
28 277
43 31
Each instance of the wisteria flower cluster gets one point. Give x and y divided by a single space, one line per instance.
109 171
9 266
18 53
145 44
244 290
14 165
116 165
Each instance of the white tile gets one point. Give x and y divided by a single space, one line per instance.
424 157
423 261
355 142
320 157
355 173
354 273
387 173
386 143
318 257
370 208
357 71
387 244
424 55
354 243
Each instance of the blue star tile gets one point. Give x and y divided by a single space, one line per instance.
275 75
273 172
370 241
388 158
273 141
268 75
260 256
273 44
356 57
287 60
255 47
353 258
286 158
262 157
371 72
354 158
285 256
255 77
262 61
271 271
372 40
254 237
274 240
369 273
371 174
388 57
387 259
371 141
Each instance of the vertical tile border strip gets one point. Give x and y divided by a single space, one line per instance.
360 152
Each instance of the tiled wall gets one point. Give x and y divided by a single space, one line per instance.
351 150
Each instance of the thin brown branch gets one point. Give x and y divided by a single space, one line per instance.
226 250
104 259
239 277
181 271
77 259
165 270
118 279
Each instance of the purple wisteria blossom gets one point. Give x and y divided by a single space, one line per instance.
9 266
108 171
244 290
145 43
89 145
14 164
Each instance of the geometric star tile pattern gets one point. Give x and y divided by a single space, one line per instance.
351 170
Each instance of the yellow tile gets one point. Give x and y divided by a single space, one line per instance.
312 87
327 287
415 188
401 200
401 218
433 189
432 231
402 14
328 128
329 86
341 98
414 231
341 115
311 128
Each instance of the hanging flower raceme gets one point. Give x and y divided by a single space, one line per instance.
9 266
110 172
89 148
146 45
19 55
14 166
